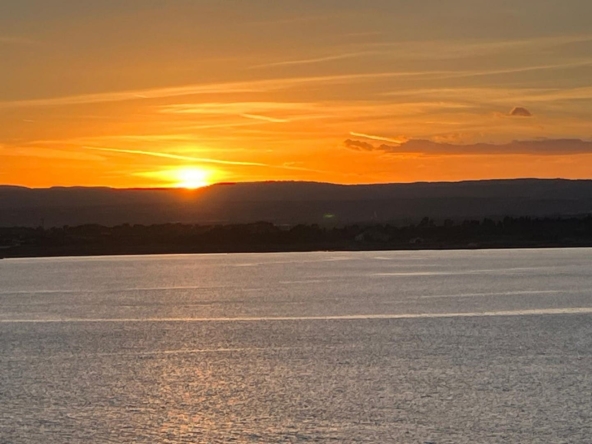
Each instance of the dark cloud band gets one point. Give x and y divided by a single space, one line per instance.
554 147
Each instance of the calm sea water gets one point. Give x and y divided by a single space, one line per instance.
401 347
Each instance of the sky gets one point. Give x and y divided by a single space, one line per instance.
160 93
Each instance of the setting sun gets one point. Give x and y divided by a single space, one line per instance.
188 177
192 178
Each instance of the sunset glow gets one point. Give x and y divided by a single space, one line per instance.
344 92
188 177
192 178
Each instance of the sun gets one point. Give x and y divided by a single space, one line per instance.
192 178
187 177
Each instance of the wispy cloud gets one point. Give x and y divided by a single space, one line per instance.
543 67
433 50
451 49
236 108
476 73
384 139
314 60
558 94
553 147
264 118
175 156
201 159
256 86
155 138
493 95
121 96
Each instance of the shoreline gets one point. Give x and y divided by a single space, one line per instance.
48 254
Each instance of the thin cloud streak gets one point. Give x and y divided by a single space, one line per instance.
434 49
257 86
268 85
383 139
264 118
176 156
498 95
462 74
557 95
455 48
241 108
314 60
201 159
525 69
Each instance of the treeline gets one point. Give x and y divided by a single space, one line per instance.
266 237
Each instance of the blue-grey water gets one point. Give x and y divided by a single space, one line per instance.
373 347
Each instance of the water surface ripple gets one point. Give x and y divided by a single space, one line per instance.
401 347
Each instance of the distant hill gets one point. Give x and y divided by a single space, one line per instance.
295 202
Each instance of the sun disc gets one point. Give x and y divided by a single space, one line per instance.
192 178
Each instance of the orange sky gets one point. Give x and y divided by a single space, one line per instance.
184 93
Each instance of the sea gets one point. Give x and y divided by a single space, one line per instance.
351 347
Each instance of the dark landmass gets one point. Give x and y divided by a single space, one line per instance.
299 216
88 240
292 203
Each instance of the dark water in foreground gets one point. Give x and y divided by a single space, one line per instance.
402 347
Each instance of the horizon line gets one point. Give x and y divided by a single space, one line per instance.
271 181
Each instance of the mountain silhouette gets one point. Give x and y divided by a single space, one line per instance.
295 202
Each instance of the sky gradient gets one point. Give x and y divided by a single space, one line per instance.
187 92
